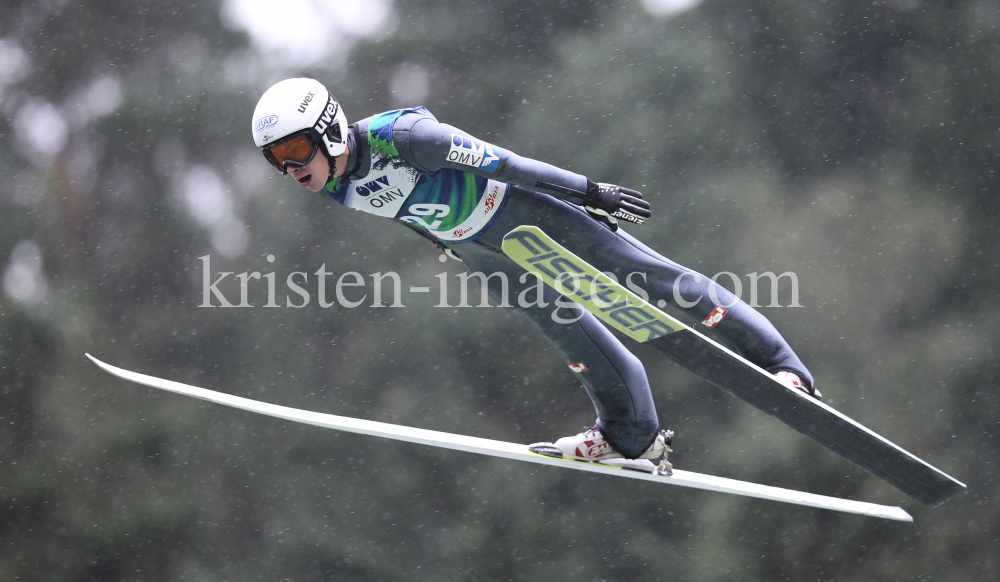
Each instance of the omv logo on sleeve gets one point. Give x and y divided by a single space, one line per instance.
265 123
472 152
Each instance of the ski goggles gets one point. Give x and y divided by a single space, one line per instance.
296 151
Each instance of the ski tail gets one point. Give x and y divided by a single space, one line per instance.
623 310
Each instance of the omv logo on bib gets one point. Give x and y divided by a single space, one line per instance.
374 186
265 123
472 152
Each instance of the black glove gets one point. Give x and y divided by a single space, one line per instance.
608 200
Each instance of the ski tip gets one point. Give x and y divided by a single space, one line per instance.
106 367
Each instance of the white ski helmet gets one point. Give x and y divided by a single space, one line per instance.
300 106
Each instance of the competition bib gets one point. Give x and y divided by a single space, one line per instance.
451 204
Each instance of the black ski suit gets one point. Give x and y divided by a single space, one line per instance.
467 194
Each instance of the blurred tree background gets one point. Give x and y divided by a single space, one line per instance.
852 142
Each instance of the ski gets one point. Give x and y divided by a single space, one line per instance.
623 310
510 450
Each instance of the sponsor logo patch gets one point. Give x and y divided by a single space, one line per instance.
265 123
459 233
491 199
374 186
578 368
715 317
472 152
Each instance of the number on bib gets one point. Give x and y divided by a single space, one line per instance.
432 210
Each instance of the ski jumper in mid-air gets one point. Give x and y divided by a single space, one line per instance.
466 194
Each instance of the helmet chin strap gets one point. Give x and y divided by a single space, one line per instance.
333 161
333 168
351 151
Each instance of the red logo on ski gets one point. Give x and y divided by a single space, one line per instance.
715 317
578 368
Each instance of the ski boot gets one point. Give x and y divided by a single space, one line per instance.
792 380
590 446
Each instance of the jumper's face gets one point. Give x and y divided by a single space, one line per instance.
314 174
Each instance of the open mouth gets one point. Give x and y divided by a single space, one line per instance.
304 180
